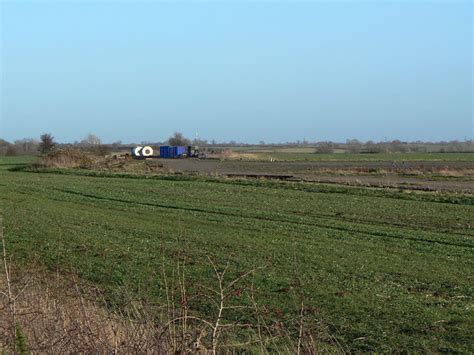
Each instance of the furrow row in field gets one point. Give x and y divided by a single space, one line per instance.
359 227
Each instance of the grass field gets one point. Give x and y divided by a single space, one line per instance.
381 271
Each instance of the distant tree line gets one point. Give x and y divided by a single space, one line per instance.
93 144
396 146
25 146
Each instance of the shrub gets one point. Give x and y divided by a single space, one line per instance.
69 158
11 151
324 149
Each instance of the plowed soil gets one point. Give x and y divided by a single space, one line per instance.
456 176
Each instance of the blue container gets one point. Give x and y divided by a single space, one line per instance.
170 152
165 151
180 151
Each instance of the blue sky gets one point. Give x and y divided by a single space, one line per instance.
247 71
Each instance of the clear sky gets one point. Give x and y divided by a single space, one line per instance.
241 70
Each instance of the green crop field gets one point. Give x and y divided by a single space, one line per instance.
380 271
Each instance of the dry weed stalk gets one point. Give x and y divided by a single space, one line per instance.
218 297
11 301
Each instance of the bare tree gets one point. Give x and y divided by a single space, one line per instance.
178 139
91 140
93 144
26 146
47 143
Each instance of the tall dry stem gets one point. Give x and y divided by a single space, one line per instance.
9 293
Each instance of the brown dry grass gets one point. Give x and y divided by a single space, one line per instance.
78 159
57 316
456 172
234 155
69 158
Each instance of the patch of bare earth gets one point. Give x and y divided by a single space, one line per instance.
430 176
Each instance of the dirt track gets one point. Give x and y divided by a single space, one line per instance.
378 173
